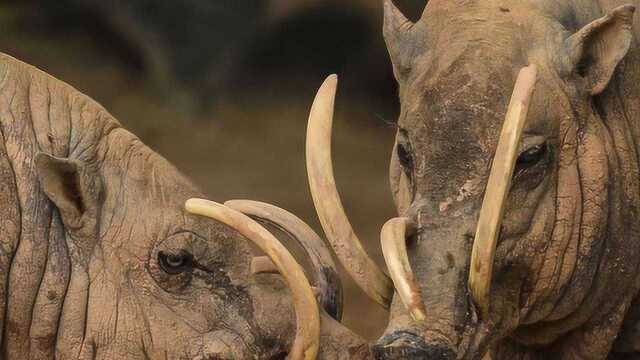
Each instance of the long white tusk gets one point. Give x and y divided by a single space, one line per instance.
306 343
327 279
394 247
490 220
327 201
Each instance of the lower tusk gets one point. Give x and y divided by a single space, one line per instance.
340 234
327 279
394 248
489 222
263 265
306 343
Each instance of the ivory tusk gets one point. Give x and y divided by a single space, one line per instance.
394 247
326 275
306 343
327 201
263 265
499 183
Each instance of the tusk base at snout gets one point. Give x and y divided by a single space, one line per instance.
393 238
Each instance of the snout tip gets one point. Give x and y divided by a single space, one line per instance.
405 345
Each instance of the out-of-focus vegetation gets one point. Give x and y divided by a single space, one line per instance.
222 89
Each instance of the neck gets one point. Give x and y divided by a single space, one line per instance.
37 114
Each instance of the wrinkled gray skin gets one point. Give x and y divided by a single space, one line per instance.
566 272
88 215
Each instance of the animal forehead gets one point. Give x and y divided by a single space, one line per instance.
454 121
485 10
460 106
461 84
471 53
458 88
489 29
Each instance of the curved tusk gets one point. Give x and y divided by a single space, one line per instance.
327 201
263 265
489 222
394 247
306 343
326 275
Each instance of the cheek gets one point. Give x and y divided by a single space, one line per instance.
189 338
222 344
524 205
528 225
527 233
273 310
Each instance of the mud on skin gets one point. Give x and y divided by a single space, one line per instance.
565 278
99 258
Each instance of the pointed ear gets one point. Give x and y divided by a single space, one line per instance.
69 186
596 50
403 37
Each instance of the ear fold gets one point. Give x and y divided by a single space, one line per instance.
596 50
69 186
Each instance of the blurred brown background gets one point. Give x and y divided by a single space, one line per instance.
222 89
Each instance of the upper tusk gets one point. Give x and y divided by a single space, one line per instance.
394 247
263 265
306 343
327 201
326 274
489 222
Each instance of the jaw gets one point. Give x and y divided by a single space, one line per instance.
338 342
439 338
273 311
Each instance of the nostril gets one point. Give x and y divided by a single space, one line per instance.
405 345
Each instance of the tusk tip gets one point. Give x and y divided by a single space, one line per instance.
531 71
418 316
194 205
234 203
528 77
330 83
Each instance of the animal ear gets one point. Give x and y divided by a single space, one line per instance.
401 35
69 186
596 49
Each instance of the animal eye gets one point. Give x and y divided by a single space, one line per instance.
405 157
175 263
531 156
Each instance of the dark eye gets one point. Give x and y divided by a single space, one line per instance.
405 157
531 156
175 263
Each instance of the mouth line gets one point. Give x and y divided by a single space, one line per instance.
408 345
